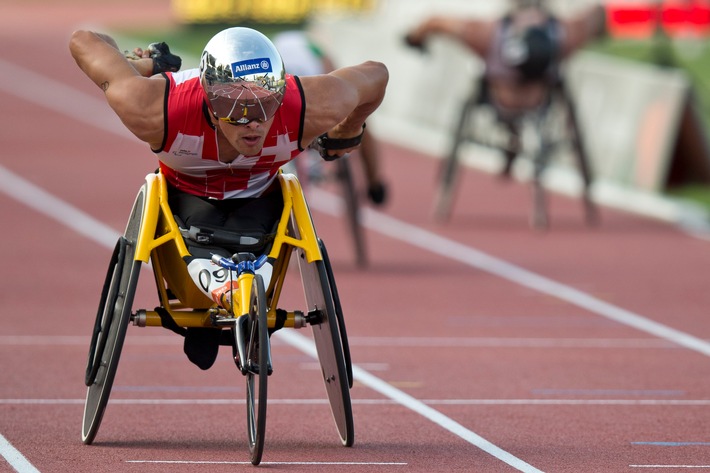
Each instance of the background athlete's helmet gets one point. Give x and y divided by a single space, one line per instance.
531 52
243 76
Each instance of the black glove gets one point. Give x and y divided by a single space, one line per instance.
163 59
416 44
324 143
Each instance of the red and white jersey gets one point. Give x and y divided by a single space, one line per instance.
189 157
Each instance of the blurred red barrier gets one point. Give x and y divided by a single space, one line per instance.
640 19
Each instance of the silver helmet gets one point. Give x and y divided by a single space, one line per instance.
243 76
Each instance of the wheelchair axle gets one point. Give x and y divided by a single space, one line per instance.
219 318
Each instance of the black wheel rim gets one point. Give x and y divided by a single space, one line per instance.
107 341
352 205
329 346
104 316
257 370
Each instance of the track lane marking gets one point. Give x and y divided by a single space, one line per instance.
373 402
400 397
410 342
450 249
14 458
304 463
673 444
670 466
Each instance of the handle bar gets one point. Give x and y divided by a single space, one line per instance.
240 264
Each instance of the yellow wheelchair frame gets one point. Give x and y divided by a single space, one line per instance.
152 235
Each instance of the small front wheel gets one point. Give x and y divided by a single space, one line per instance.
257 365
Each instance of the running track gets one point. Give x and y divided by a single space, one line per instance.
479 345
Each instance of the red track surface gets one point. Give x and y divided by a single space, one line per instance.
450 345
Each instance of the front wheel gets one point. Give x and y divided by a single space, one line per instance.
258 367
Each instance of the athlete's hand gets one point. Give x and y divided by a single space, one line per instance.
163 59
138 53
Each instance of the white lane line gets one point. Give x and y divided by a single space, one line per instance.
82 341
56 209
428 241
371 402
499 342
40 90
404 399
670 466
314 463
15 458
410 342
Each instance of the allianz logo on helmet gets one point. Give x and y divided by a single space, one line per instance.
251 66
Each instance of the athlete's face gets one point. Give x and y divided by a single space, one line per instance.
246 139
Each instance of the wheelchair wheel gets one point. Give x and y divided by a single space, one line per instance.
329 344
352 209
103 316
591 215
542 151
539 218
112 319
338 313
257 363
448 172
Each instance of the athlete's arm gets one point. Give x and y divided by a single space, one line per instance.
339 102
474 33
137 100
587 25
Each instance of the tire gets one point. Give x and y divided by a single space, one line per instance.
258 369
541 154
327 337
112 319
104 316
352 209
448 173
339 313
591 214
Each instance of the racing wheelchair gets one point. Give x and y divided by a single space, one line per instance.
153 235
537 133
